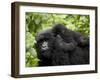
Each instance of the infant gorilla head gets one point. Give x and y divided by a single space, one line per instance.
61 46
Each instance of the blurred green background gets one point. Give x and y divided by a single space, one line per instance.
36 22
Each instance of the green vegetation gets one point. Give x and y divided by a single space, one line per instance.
36 22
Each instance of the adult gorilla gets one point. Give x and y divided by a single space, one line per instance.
61 46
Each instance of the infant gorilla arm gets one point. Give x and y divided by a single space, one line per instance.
70 36
63 45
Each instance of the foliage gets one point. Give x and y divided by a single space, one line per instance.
36 22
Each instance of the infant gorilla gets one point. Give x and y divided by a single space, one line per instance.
61 46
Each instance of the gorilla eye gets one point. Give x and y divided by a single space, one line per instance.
44 45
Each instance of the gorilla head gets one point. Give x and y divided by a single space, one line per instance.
59 29
45 41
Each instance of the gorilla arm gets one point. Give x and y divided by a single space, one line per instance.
63 45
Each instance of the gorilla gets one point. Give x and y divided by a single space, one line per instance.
61 46
80 55
69 35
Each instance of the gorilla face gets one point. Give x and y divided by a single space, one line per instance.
45 44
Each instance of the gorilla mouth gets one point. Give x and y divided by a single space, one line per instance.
44 45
